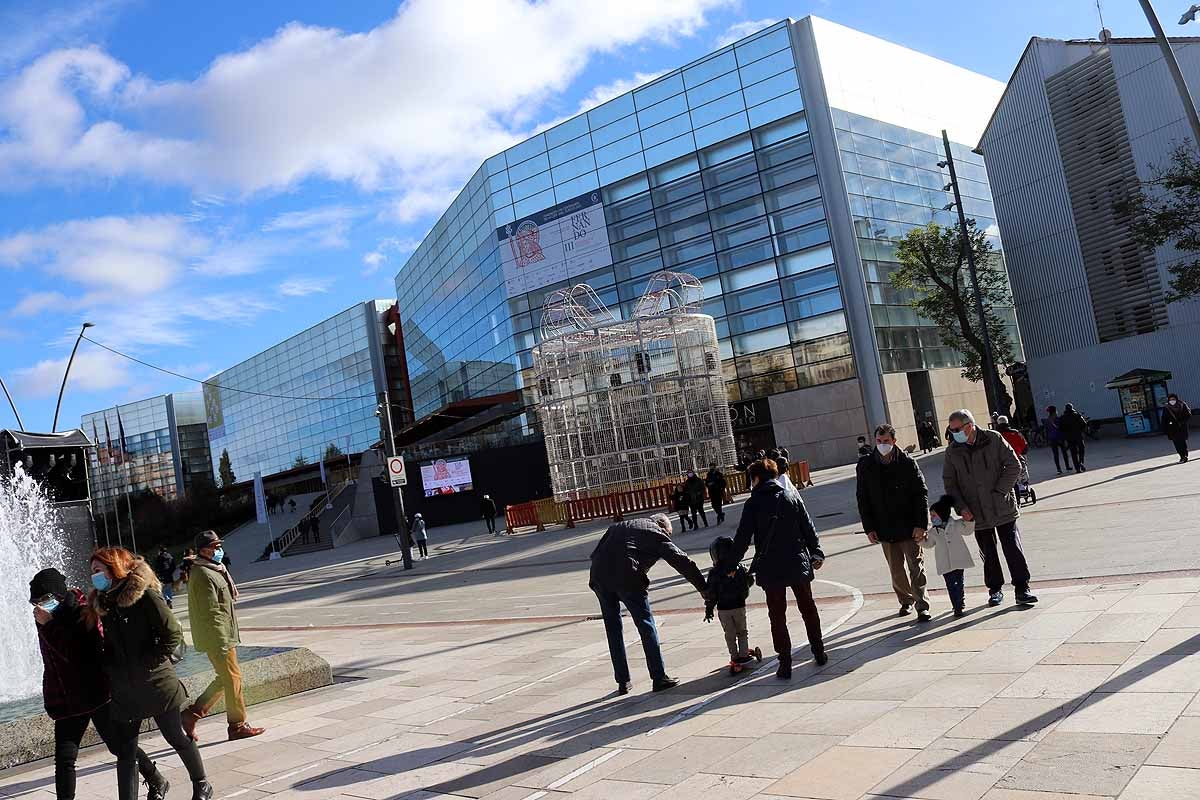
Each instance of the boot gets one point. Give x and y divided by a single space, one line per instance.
202 790
157 785
191 715
244 730
785 667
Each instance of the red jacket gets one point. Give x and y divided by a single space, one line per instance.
1016 440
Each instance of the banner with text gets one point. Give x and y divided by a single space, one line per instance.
560 243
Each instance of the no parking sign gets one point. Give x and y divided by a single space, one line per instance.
396 474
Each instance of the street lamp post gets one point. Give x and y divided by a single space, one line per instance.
987 358
1189 107
12 405
67 374
384 410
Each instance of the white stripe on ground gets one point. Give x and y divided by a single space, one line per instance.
855 606
575 773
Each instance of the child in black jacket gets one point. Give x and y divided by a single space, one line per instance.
727 592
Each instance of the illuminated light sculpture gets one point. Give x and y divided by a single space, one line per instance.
630 403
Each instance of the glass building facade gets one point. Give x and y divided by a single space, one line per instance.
285 406
710 170
165 447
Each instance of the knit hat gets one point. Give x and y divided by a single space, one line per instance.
48 581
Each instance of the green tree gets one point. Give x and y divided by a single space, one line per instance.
300 461
933 267
225 470
332 452
1166 209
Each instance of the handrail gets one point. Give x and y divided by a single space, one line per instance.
333 528
292 534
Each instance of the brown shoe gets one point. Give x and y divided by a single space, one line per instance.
191 715
244 730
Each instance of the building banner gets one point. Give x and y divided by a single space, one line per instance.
560 243
260 499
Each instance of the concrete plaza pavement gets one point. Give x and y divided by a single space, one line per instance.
479 674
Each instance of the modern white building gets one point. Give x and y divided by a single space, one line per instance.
1079 125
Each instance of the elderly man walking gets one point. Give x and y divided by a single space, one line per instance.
211 597
893 506
979 472
620 562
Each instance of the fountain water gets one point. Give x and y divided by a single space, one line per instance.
31 539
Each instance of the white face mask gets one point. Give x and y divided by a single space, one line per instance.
1171 402
884 449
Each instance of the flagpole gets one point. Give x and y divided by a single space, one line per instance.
103 484
112 471
128 476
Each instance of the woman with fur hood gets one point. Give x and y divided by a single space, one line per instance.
141 636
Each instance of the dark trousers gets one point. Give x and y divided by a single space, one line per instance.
491 523
170 725
423 546
777 612
1076 447
1181 448
68 734
684 523
1014 554
1061 446
638 604
954 586
718 507
698 509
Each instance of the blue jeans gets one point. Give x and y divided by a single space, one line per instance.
638 604
954 585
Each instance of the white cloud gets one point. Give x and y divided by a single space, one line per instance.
326 225
375 259
302 287
606 92
35 303
93 370
36 28
412 105
740 30
136 255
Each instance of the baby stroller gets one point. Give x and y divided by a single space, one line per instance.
1026 496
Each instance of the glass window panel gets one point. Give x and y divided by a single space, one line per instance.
761 295
667 173
682 231
797 216
809 282
668 193
722 129
746 254
665 131
639 266
718 87
670 149
628 229
672 107
709 68
529 187
501 198
767 67
498 181
762 363
805 191
573 169
496 164
742 234
570 150
618 150
873 167
734 192
617 130
731 171
627 209
622 169
715 308
726 150
525 150
537 202
818 327
874 187
682 209
636 246
770 88
611 111
779 131
677 254
775 109
801 239
814 304
756 320
773 156
817 350
624 190
749 276
716 110
576 186
503 216
533 166
758 341
701 268
827 372
762 46
742 211
658 91
565 132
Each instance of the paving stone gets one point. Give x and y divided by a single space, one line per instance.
683 759
1168 673
964 641
1081 763
759 720
1126 713
908 727
1093 601
1021 794
1157 783
953 769
1013 718
841 717
1060 681
895 685
1180 747
1142 603
1121 628
841 773
608 789
1114 653
962 691
1013 655
775 755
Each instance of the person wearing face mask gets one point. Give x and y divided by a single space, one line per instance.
979 472
141 638
212 595
1175 425
952 557
74 686
892 500
695 490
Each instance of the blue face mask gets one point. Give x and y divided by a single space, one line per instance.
959 436
101 581
218 555
49 605
936 521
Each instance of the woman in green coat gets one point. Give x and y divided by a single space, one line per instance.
140 637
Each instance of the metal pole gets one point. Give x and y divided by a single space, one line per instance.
129 499
1189 107
988 360
12 405
405 542
66 374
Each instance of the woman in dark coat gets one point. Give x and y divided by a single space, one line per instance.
1175 425
786 551
74 688
140 637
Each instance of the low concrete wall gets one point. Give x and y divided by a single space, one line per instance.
268 673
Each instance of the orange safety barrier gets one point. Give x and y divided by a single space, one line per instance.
546 511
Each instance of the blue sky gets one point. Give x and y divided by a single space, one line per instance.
203 179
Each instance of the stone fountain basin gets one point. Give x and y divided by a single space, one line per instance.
268 673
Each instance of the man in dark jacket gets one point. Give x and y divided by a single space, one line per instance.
164 569
1073 427
620 562
893 506
694 488
1175 424
487 510
979 472
715 481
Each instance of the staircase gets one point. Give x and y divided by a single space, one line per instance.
332 512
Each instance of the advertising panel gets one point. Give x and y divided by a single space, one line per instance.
446 476
562 242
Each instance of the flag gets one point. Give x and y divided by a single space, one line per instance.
99 449
108 440
323 481
121 436
260 500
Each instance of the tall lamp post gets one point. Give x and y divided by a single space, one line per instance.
12 405
1189 107
384 410
67 374
987 358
